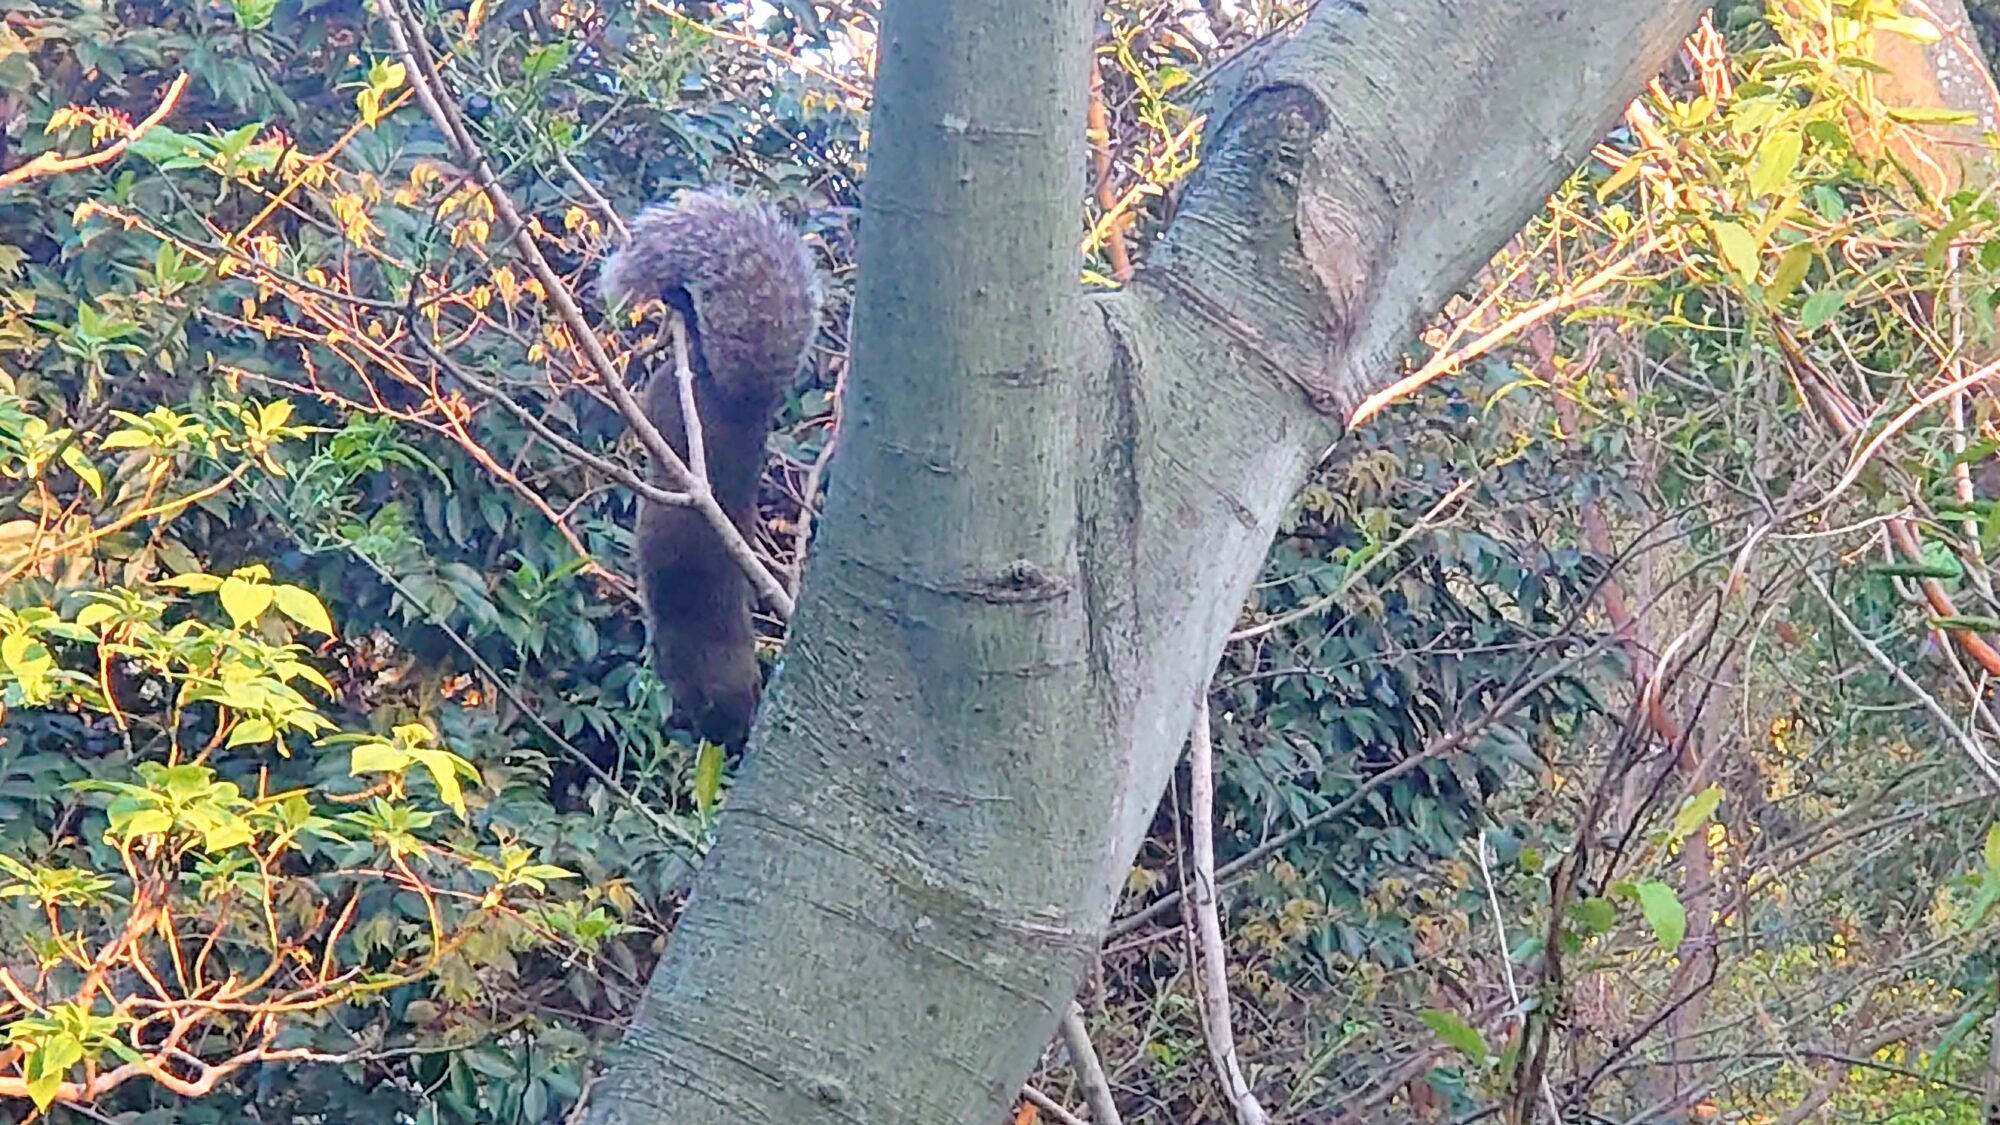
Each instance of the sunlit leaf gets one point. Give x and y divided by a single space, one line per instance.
444 768
1695 813
1922 115
251 731
1664 913
302 606
245 601
707 777
1738 249
1792 269
377 757
1775 161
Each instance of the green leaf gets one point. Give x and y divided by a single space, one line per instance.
245 601
707 777
60 1053
1792 269
1821 307
249 731
1456 1033
1695 813
231 832
1910 27
145 822
1989 894
1596 915
544 61
1992 855
1921 115
377 757
1775 161
444 768
302 606
1738 249
79 463
193 583
95 614
1664 913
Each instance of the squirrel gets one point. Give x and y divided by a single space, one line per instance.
743 282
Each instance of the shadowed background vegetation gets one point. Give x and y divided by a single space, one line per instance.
1591 738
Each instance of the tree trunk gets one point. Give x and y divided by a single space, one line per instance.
1047 509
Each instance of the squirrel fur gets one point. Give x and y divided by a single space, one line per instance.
743 282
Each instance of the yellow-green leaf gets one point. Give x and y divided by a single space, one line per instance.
1738 249
1776 159
1993 847
45 1066
95 614
1620 178
1695 813
146 822
707 777
1915 115
1664 913
251 730
444 768
377 757
245 601
1911 27
1791 270
193 583
299 604
42 1089
22 653
230 833
127 438
79 463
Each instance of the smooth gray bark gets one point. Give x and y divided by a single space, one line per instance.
1046 511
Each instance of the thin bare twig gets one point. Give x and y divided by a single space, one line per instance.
697 458
1972 749
1052 1107
1445 363
51 164
1214 990
1480 846
1089 1068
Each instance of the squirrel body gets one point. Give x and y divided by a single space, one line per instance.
743 283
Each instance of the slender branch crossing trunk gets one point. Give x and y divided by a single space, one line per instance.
1046 510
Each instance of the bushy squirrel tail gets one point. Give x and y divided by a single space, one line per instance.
739 275
744 284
